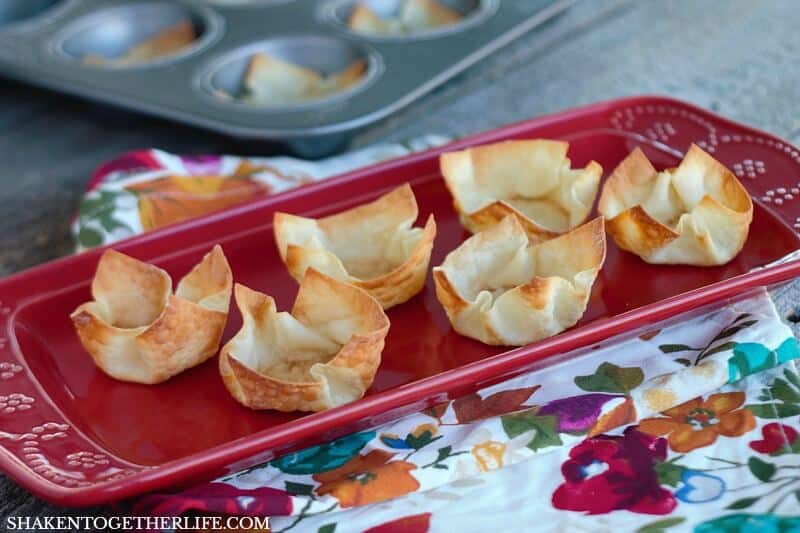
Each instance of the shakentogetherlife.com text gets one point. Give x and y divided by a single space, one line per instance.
143 523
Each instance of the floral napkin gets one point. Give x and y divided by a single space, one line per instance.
145 190
693 426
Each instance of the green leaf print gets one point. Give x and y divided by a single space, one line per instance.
669 473
99 208
725 346
444 453
774 410
661 525
761 469
611 378
109 223
781 390
545 428
785 396
792 378
421 440
742 503
89 238
672 348
299 489
714 346
733 330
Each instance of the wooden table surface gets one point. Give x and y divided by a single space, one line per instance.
736 57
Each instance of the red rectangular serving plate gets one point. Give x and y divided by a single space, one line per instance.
76 437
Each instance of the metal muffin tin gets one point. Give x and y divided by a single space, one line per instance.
43 42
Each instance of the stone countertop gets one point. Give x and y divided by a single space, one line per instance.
738 58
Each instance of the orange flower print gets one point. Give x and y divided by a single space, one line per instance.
367 479
170 199
697 423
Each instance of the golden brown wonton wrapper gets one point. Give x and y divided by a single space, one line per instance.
136 330
695 214
500 288
322 355
415 16
270 80
529 179
372 246
168 42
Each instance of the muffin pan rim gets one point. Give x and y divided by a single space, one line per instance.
245 4
42 18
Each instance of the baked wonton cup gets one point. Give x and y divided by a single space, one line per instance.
414 16
372 246
270 80
529 179
168 42
137 330
365 21
695 214
422 15
324 354
500 288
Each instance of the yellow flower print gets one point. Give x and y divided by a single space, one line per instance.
422 428
489 455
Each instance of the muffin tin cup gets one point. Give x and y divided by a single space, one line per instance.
112 31
186 85
222 80
337 13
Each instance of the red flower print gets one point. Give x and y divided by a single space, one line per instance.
607 473
219 498
418 523
137 161
777 438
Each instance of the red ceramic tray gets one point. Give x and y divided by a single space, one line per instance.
73 436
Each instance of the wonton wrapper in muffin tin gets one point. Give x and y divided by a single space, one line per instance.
270 80
530 179
136 330
500 288
372 246
415 16
322 355
695 214
168 42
